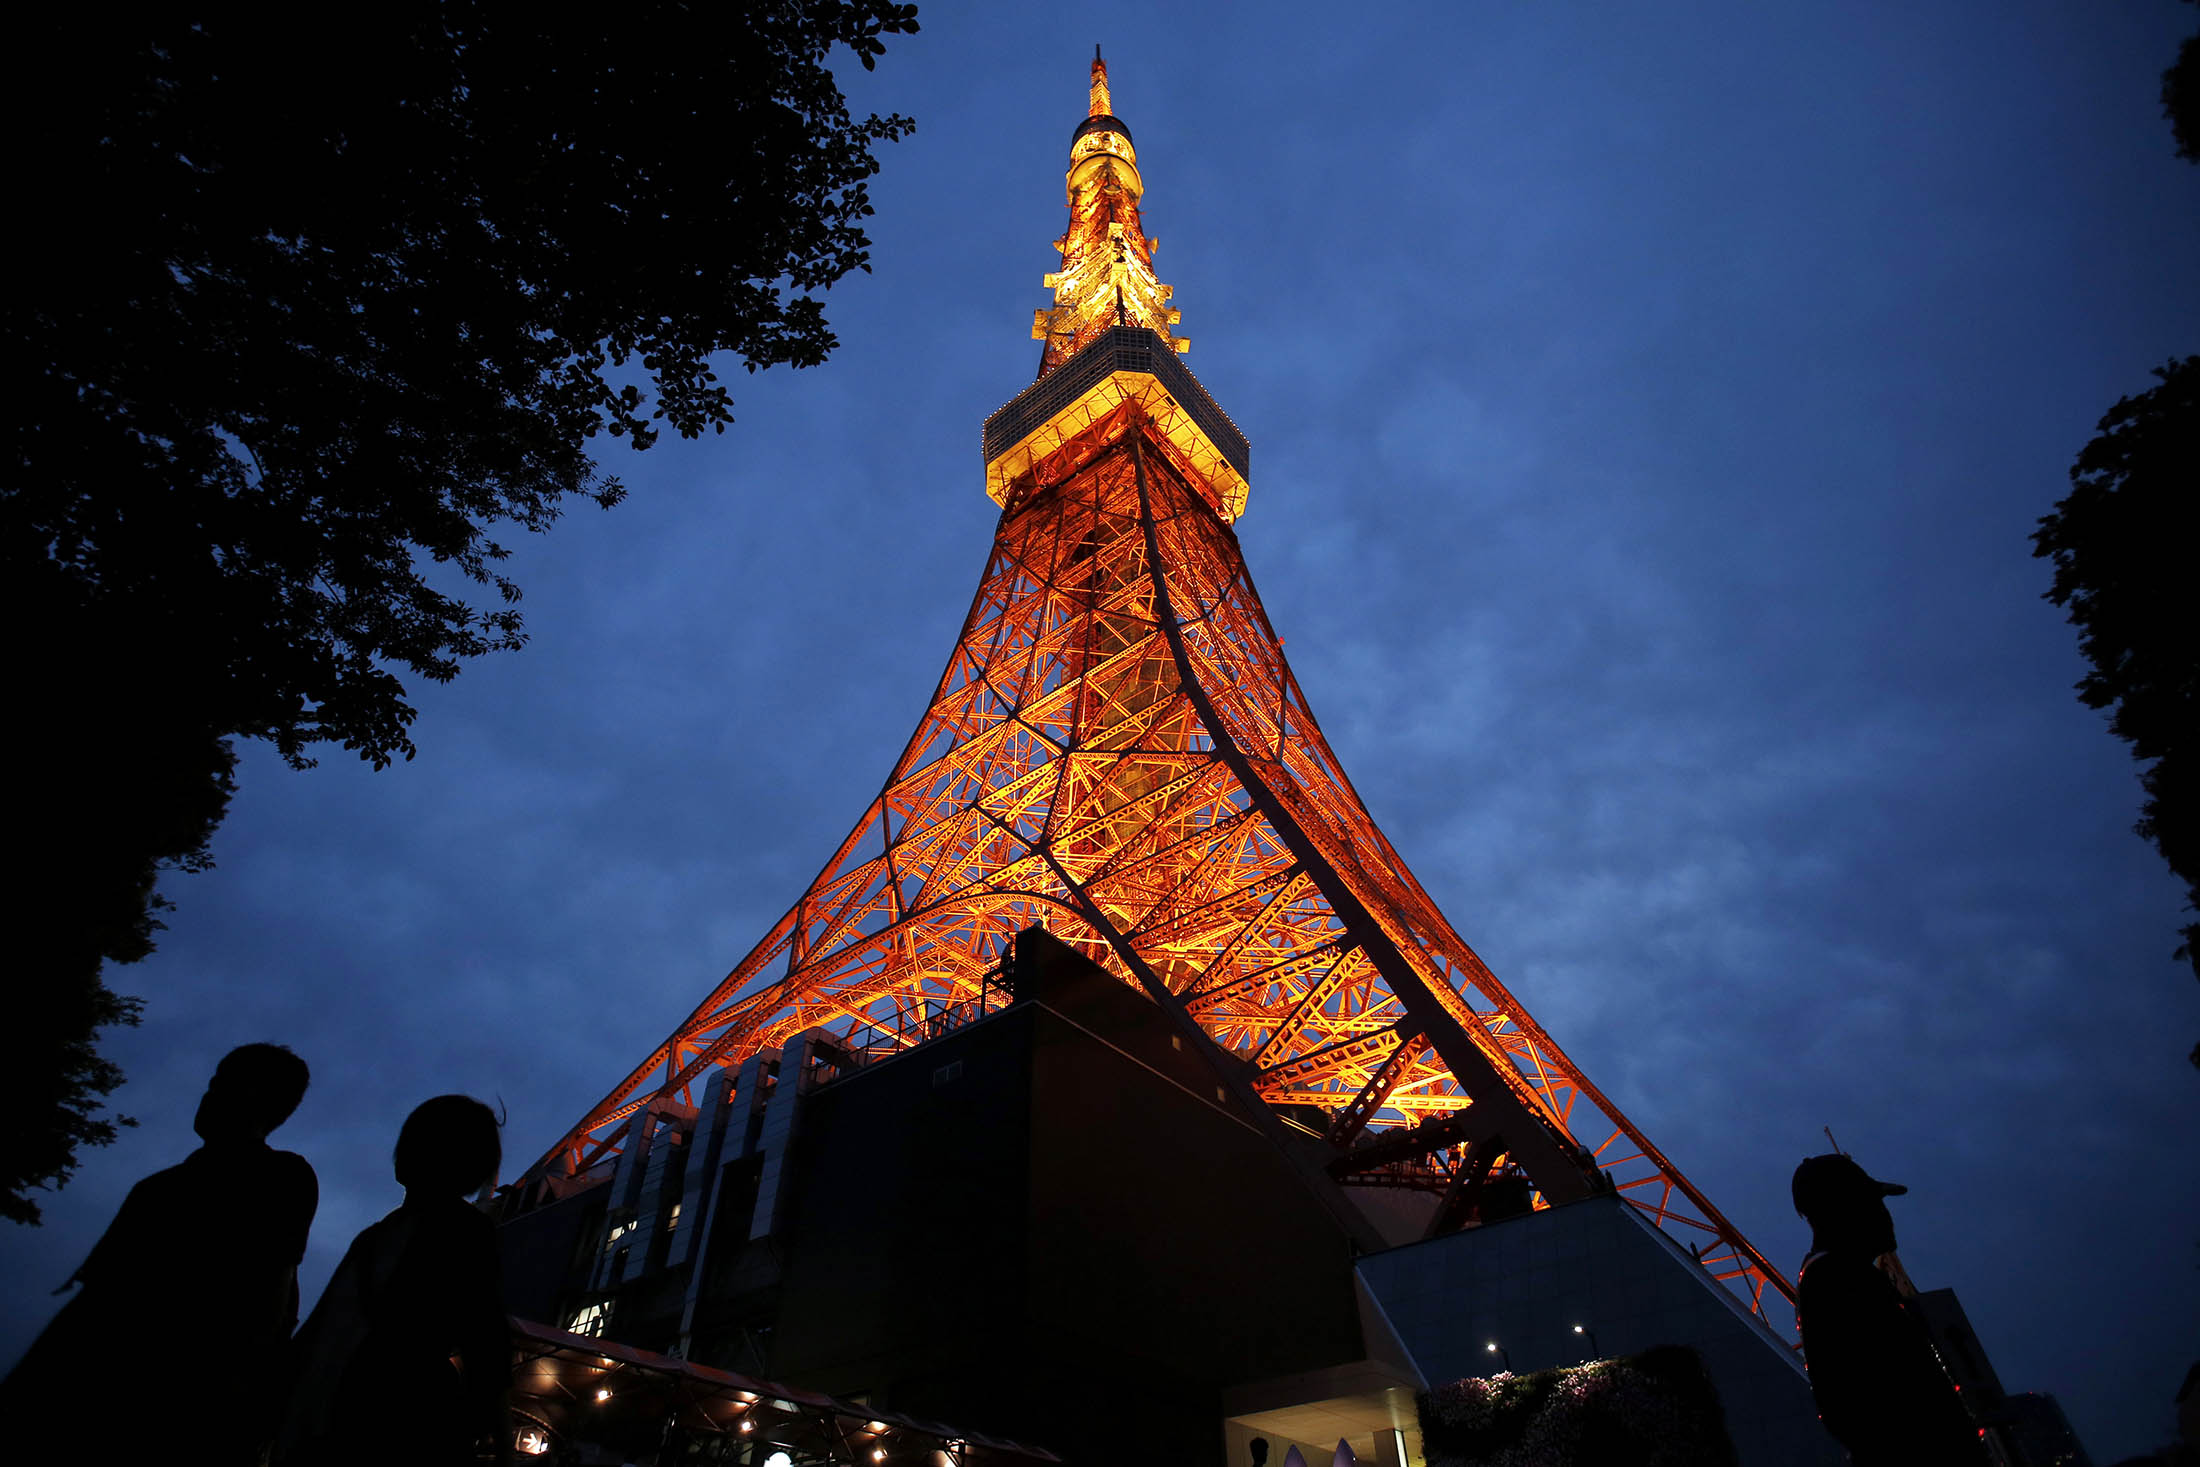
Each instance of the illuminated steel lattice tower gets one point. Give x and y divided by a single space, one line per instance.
1118 751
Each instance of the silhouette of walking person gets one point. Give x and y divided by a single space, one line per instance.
203 1255
1880 1386
407 1356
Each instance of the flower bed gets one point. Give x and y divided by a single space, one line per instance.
1656 1409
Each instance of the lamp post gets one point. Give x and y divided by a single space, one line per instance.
1590 1336
1499 1351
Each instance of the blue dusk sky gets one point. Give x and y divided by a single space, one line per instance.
1649 408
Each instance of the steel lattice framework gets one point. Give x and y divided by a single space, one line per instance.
1118 751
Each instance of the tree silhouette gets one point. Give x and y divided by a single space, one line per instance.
307 308
2122 543
2181 96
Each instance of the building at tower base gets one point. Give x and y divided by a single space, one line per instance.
1593 1280
1050 1220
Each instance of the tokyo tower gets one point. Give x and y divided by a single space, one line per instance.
1118 752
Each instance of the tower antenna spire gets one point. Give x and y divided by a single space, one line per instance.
1101 107
1105 279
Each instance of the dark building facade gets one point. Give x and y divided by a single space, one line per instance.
1049 1222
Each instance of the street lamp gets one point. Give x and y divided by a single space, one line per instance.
1591 1336
1499 1351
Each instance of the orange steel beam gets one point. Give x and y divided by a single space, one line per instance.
1117 750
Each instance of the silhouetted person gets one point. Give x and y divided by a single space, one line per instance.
408 1354
2188 1412
1880 1386
195 1283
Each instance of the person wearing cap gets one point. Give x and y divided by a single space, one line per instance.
1880 1386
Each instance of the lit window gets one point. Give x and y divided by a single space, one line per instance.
672 1218
590 1319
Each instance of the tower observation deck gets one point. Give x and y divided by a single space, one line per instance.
1118 752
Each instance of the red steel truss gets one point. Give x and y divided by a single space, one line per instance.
1119 752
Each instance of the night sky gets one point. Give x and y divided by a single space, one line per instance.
1649 408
